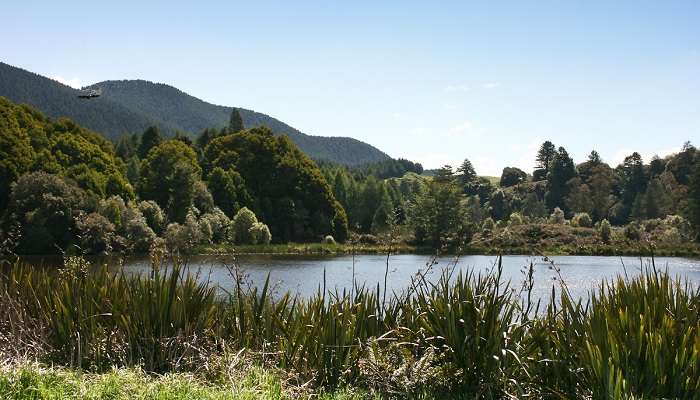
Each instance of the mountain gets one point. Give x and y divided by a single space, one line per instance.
133 105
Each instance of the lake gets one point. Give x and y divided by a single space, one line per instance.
304 275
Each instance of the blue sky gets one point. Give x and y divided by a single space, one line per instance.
432 82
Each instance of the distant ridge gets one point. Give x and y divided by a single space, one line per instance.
129 106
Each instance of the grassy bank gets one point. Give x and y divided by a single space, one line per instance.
462 335
33 381
304 248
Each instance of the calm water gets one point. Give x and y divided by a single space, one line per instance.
304 275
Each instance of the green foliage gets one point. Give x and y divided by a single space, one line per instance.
287 189
605 231
43 207
259 233
235 123
693 210
228 190
153 214
545 156
168 177
95 233
151 138
437 218
557 217
241 226
561 171
582 220
512 176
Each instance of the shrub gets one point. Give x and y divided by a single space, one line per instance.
557 217
488 225
184 237
328 240
219 223
201 198
260 233
605 230
139 235
515 219
114 209
155 218
632 231
582 220
239 233
95 233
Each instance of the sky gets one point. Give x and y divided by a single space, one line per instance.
434 82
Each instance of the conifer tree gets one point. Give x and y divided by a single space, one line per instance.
236 121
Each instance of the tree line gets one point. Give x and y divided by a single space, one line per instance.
64 187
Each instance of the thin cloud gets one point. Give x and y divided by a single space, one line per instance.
465 126
457 88
75 82
491 85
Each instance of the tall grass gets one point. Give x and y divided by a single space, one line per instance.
466 332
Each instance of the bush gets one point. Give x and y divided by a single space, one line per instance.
557 217
605 230
155 218
515 219
328 240
582 220
632 231
488 225
95 233
239 232
260 233
185 237
219 224
139 236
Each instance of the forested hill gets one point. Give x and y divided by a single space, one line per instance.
131 106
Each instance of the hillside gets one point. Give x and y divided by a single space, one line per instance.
133 105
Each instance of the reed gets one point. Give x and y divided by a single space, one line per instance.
470 332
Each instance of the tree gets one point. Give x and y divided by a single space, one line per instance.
287 189
228 190
467 174
561 170
168 176
444 174
579 199
150 139
632 183
682 164
594 158
437 218
512 176
693 210
241 225
16 152
235 123
43 207
545 156
600 183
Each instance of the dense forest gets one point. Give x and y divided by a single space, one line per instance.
134 105
64 189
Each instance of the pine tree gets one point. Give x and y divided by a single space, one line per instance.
562 169
236 122
545 156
